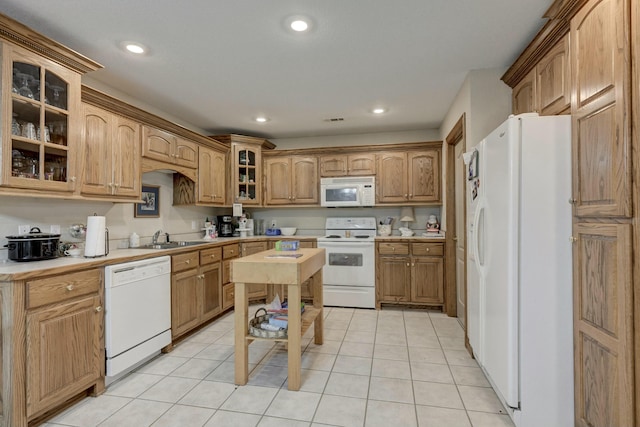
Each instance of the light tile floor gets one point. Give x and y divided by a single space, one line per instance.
376 368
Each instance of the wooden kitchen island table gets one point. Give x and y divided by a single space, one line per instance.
265 268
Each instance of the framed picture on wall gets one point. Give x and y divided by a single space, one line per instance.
150 206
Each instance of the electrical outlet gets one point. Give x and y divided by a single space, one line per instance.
273 223
24 229
55 229
194 225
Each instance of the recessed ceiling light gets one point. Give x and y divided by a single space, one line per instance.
379 110
299 25
134 47
261 119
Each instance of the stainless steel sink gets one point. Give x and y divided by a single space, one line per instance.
171 245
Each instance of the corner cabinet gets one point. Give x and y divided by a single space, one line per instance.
291 180
111 147
409 177
168 148
41 117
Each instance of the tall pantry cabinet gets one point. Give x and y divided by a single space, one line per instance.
604 92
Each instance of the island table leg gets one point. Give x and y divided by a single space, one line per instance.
241 327
294 337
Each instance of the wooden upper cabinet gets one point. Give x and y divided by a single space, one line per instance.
600 110
111 147
553 80
359 164
168 148
546 89
212 167
291 180
523 94
392 178
409 177
424 176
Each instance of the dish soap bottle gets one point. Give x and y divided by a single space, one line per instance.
134 240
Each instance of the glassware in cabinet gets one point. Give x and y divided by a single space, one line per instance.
40 119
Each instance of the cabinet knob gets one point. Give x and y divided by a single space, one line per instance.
393 248
99 309
72 178
70 287
188 261
110 184
407 264
428 249
572 201
117 185
573 239
405 195
410 195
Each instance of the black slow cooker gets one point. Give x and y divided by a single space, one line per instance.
34 246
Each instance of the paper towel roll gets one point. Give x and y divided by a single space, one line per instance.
95 244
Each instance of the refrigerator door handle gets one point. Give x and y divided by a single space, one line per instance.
480 236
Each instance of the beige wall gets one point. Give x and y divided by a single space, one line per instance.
486 102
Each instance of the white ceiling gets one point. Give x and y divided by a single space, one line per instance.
217 64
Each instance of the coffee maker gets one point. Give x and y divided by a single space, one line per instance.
225 226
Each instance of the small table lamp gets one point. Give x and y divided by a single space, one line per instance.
407 215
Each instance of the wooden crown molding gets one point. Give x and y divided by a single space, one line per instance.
230 138
559 15
104 101
354 149
23 36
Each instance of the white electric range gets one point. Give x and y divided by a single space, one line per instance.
349 276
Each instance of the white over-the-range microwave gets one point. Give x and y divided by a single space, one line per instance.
348 191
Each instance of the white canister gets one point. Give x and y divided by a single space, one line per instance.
134 240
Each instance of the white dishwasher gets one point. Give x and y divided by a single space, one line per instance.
137 313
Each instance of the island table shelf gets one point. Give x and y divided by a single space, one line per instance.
271 268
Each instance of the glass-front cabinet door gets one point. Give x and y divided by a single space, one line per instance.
248 175
41 99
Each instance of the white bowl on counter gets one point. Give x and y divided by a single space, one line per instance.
288 231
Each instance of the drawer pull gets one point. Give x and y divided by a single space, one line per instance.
70 287
99 309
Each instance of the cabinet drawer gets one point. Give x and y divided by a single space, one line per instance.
391 248
430 249
230 251
209 256
59 288
228 295
183 262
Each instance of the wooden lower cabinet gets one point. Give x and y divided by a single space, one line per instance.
64 345
196 289
603 341
410 273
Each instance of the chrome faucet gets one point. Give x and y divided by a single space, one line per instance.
157 234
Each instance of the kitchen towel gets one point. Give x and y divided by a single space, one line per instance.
95 244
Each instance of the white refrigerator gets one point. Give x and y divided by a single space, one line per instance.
520 279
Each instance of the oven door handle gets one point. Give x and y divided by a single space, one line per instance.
337 245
